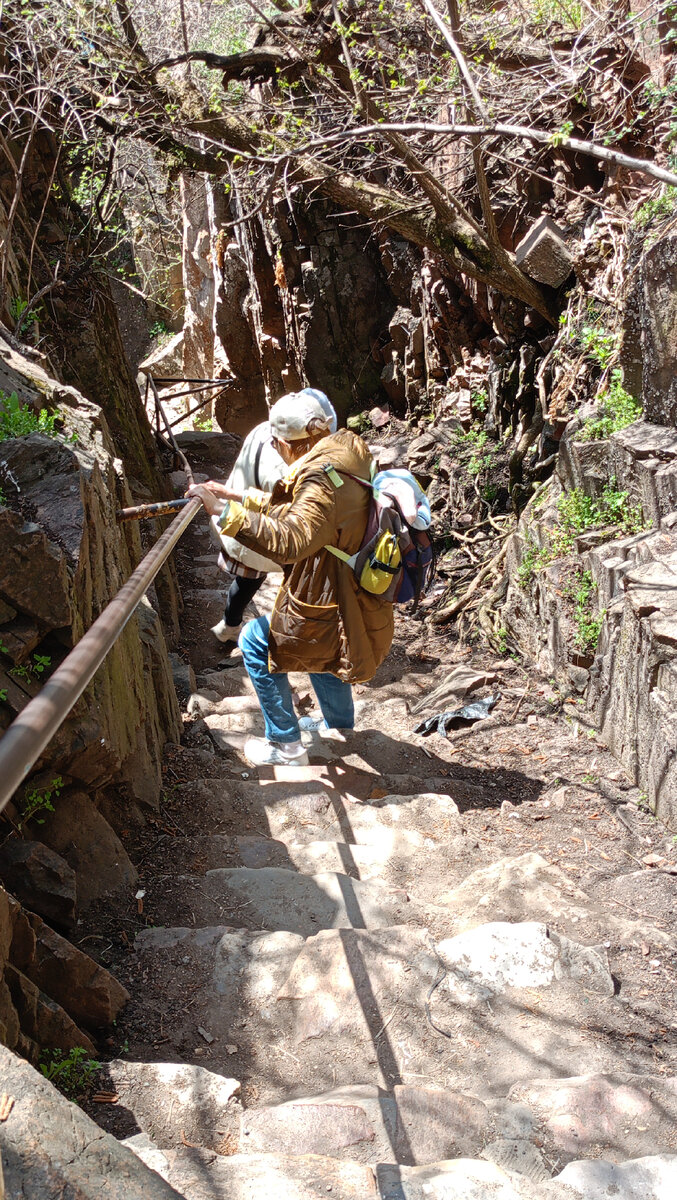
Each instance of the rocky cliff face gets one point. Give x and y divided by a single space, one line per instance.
628 674
309 298
63 558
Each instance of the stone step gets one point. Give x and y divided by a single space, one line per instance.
368 751
275 898
621 1116
614 1115
202 1175
198 1174
528 888
367 1124
310 810
360 779
466 1179
461 1179
404 858
170 1102
503 1004
490 1006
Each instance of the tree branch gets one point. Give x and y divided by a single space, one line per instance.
234 66
498 129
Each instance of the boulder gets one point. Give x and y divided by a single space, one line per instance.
231 305
392 381
543 253
487 961
649 352
212 447
183 676
7 613
639 1179
33 572
167 361
40 879
241 405
49 1147
43 1022
78 832
87 991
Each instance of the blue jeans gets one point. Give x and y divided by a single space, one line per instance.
334 697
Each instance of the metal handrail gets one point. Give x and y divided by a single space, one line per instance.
210 386
28 735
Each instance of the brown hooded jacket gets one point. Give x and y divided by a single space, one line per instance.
321 620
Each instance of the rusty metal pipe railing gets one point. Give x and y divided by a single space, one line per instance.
192 411
27 736
145 512
177 449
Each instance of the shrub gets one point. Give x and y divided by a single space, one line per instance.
577 512
71 1072
657 209
618 410
588 622
17 419
37 802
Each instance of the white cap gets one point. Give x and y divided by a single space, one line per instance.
292 414
326 405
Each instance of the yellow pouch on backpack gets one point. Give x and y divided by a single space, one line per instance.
384 561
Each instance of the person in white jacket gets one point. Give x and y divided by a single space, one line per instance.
258 466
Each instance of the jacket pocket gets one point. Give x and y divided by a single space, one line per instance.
310 612
304 637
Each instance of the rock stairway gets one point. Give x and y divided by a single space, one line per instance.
386 1008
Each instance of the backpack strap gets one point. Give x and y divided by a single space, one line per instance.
257 466
334 475
350 559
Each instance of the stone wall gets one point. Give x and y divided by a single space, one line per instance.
630 681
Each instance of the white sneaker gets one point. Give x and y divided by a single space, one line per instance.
313 728
262 753
226 633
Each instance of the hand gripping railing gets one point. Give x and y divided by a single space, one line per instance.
27 736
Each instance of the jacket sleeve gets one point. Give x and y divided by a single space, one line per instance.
290 532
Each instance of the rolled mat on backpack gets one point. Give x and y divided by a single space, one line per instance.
396 559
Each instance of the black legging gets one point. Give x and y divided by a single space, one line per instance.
240 592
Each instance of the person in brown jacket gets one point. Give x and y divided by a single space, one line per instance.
321 622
